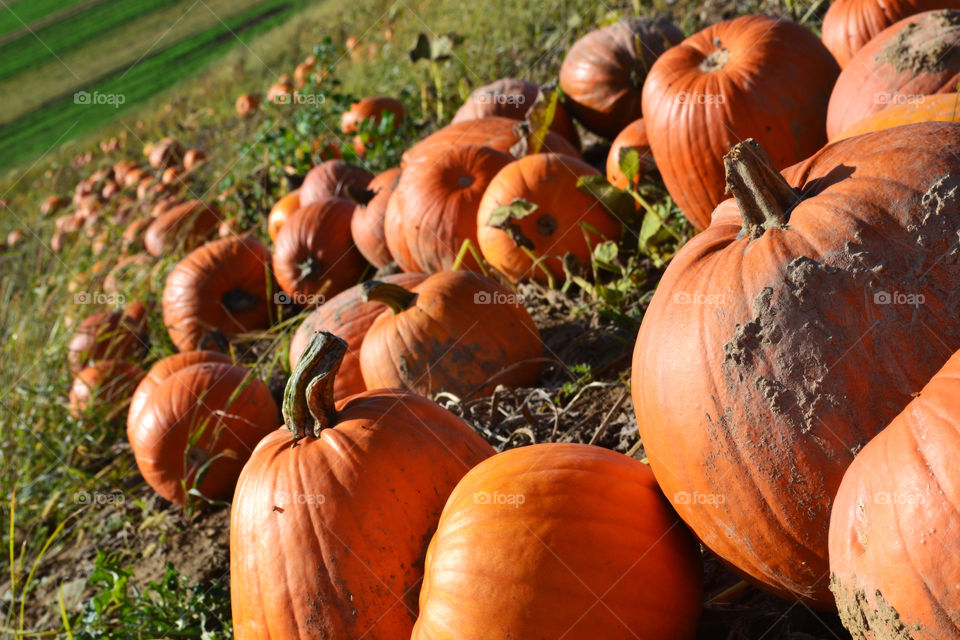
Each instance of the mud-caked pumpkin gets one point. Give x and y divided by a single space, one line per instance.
750 77
366 225
551 218
559 540
793 330
348 316
332 515
915 57
433 210
221 287
197 427
456 331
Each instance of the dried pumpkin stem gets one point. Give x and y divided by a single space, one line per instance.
392 295
763 195
308 397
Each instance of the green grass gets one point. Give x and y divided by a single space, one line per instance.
15 15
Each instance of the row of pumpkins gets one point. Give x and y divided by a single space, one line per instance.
777 350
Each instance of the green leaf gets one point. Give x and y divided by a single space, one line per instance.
540 116
630 163
505 216
617 201
605 255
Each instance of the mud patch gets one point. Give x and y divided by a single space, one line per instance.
929 46
864 619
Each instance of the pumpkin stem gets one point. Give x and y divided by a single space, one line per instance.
392 295
763 195
308 405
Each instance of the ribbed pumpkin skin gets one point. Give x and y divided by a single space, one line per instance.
603 73
592 551
193 398
348 317
495 132
327 537
917 56
185 226
938 108
774 88
106 383
895 526
319 233
548 180
281 210
633 136
512 98
329 179
434 208
162 370
462 330
761 356
366 225
850 24
198 290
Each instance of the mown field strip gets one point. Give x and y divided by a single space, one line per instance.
61 116
31 14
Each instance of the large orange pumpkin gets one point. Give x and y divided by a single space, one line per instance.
633 136
366 225
850 24
314 254
913 58
456 331
751 77
162 370
347 316
604 71
791 331
938 108
433 210
559 540
331 519
281 210
894 525
555 228
495 132
512 98
222 286
197 428
185 226
332 179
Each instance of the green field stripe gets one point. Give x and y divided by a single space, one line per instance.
31 49
15 14
34 132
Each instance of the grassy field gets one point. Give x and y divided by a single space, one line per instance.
70 487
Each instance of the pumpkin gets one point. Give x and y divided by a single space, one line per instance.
14 238
332 515
559 540
496 132
366 225
512 98
280 93
760 348
850 24
333 179
913 58
184 226
347 316
894 518
456 331
163 369
553 229
222 286
433 210
52 205
166 153
303 71
107 335
193 158
633 136
942 107
132 177
197 428
132 237
314 254
281 210
602 75
372 108
247 104
105 384
751 77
